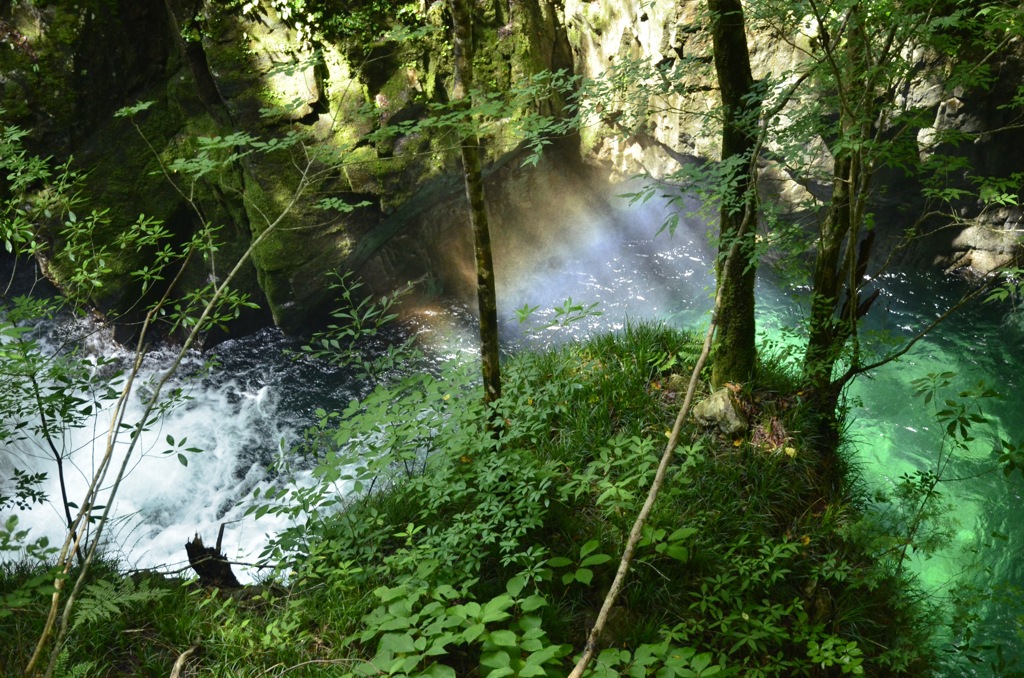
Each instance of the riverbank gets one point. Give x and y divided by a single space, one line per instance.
471 555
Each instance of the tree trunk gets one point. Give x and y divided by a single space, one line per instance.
823 346
462 52
735 354
840 264
841 261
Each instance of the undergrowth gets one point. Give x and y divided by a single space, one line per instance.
427 545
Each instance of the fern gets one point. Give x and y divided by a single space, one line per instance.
80 670
105 599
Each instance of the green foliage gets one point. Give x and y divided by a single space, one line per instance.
452 529
417 629
26 490
422 545
103 600
569 313
505 115
1011 289
39 580
661 659
582 571
79 670
46 394
361 23
358 318
217 154
49 392
37 190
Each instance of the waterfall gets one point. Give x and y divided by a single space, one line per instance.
242 410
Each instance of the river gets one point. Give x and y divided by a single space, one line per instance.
249 406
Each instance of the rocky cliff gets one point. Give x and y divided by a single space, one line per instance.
653 132
215 68
354 96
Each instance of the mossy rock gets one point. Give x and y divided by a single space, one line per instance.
128 176
257 65
297 244
78 62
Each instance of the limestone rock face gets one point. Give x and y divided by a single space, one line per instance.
655 134
719 410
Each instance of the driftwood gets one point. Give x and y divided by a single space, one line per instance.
210 564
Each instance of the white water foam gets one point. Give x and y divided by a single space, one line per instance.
236 422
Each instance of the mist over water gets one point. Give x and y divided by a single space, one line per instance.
617 259
250 407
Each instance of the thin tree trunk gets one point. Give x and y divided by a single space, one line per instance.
840 264
462 50
822 349
735 354
837 278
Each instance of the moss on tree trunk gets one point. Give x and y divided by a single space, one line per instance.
735 353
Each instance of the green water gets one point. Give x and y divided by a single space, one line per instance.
897 434
618 262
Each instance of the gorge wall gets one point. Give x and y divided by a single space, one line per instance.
213 68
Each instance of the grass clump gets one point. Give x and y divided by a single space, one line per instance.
466 553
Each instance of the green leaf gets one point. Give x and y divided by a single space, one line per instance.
386 593
682 533
530 644
495 660
701 662
394 624
473 632
584 576
495 609
398 643
679 553
596 559
534 602
503 638
515 585
543 656
129 111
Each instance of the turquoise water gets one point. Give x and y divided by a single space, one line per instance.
620 263
897 433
